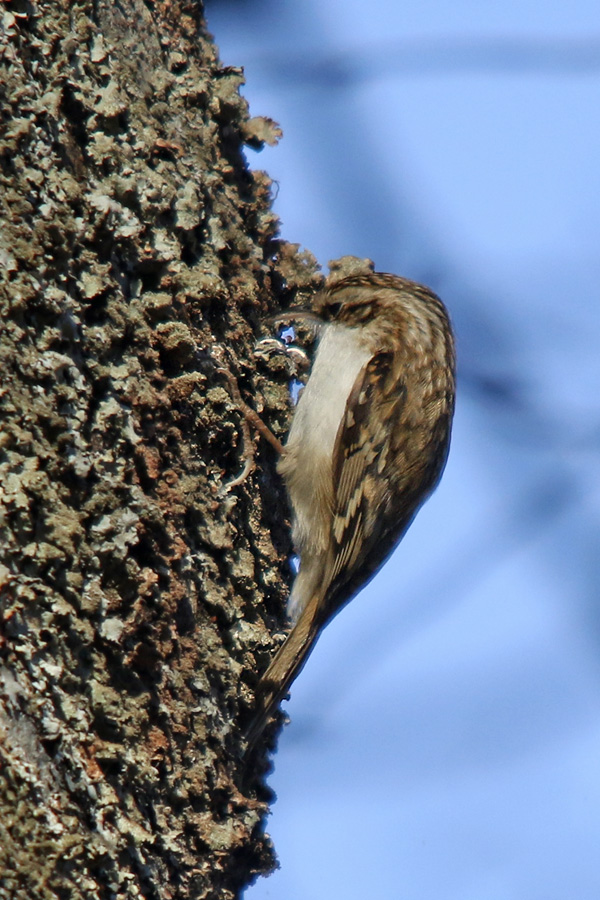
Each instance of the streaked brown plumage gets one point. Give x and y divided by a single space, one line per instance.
367 445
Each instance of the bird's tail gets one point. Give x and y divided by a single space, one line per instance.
285 666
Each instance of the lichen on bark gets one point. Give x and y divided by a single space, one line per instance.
138 597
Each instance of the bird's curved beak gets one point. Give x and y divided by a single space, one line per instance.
299 314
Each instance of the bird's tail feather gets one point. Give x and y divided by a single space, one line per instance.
285 666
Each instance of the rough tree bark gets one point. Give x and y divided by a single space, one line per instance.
138 596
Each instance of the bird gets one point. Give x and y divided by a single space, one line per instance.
368 443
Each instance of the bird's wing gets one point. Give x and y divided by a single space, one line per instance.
361 452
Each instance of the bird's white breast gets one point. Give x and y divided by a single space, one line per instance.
322 403
307 466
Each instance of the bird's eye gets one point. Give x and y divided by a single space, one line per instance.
333 309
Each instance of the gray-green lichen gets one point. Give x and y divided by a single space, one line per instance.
137 596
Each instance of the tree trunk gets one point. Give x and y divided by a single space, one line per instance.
138 591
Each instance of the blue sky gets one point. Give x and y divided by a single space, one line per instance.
445 734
